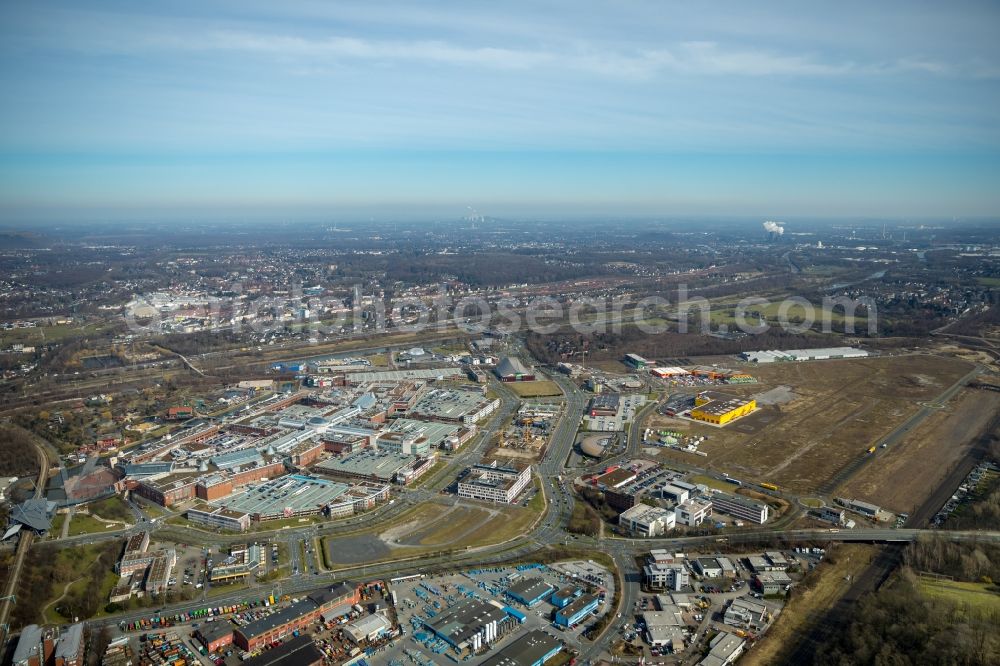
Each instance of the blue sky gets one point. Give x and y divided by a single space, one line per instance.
518 109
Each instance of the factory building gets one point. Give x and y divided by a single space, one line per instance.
773 355
708 567
471 625
495 481
213 487
215 635
648 521
529 591
745 612
772 582
299 615
562 597
719 408
665 628
367 629
378 466
300 651
724 649
740 507
532 649
305 453
576 610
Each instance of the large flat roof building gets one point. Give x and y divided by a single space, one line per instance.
300 651
647 521
470 625
372 465
740 507
454 406
529 591
819 354
724 649
495 481
720 408
272 627
532 649
285 497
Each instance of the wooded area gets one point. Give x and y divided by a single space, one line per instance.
18 456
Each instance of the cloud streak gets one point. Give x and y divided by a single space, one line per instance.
685 58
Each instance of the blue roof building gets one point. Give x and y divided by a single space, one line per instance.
576 610
529 591
562 598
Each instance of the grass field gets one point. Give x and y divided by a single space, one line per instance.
536 389
713 483
111 508
153 510
57 523
830 584
511 522
431 527
980 598
42 334
84 524
839 409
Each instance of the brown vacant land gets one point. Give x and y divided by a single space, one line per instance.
919 462
536 389
838 410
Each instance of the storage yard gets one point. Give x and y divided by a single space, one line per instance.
520 596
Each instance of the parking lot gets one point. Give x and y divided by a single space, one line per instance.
627 407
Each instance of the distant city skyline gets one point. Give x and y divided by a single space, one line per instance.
516 109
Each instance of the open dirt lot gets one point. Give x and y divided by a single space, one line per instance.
919 462
838 409
536 389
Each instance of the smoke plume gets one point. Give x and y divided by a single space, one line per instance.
773 227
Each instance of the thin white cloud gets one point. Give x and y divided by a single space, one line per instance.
702 58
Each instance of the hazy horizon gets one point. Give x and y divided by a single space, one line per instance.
645 110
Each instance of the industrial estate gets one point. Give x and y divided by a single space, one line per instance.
389 497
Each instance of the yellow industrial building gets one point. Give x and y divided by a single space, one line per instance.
719 408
